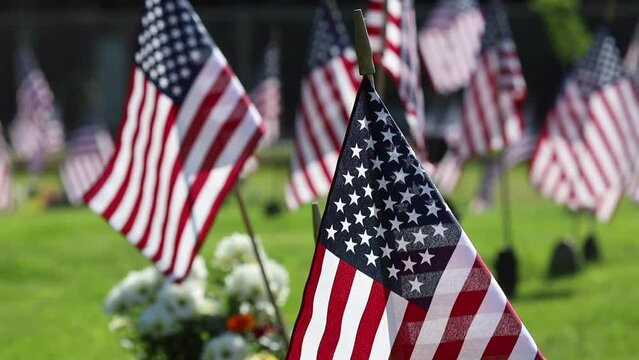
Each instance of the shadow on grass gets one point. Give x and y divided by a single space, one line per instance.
546 294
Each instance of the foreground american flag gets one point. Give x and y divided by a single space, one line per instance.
588 150
91 150
6 196
35 132
187 130
491 106
394 275
326 97
393 36
449 42
267 95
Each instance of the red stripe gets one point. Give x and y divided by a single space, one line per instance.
306 308
371 318
303 167
207 105
320 107
505 337
336 94
349 67
594 120
319 153
408 332
115 202
336 305
88 196
208 166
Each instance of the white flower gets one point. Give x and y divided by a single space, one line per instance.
246 284
156 321
235 250
207 306
225 347
137 288
118 323
179 300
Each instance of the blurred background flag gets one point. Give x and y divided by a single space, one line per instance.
267 94
590 142
394 275
491 106
36 132
90 151
449 42
327 96
631 60
6 195
188 129
393 35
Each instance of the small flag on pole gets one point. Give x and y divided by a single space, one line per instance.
90 151
267 95
188 129
449 42
36 131
393 30
326 98
491 106
587 153
394 275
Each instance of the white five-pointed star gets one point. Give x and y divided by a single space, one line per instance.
340 205
331 232
426 189
354 197
406 195
374 97
401 244
419 237
379 231
388 203
377 163
370 143
426 256
348 178
350 245
356 150
392 271
368 191
388 135
408 264
359 218
413 216
400 176
416 285
373 211
371 258
381 115
361 171
386 251
395 224
363 123
432 209
419 171
365 238
393 155
345 225
382 183
439 229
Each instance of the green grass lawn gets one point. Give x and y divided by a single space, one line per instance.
56 267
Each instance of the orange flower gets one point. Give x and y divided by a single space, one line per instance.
240 323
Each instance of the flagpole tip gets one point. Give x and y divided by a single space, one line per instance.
363 46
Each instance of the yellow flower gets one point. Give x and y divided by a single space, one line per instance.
262 356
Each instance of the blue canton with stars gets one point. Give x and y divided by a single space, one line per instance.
383 214
173 45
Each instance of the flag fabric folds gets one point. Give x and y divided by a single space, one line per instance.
587 153
393 274
90 151
187 130
393 36
36 131
267 95
6 197
491 106
326 98
450 41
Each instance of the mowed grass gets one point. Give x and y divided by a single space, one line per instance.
57 266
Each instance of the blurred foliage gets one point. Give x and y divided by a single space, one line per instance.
568 33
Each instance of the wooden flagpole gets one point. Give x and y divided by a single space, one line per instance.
260 262
317 219
381 73
505 203
363 48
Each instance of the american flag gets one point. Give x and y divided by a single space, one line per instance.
631 60
588 149
393 36
187 130
326 98
491 114
267 95
449 42
90 151
36 131
394 275
6 197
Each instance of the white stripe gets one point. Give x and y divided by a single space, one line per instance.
317 324
388 327
355 306
525 347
